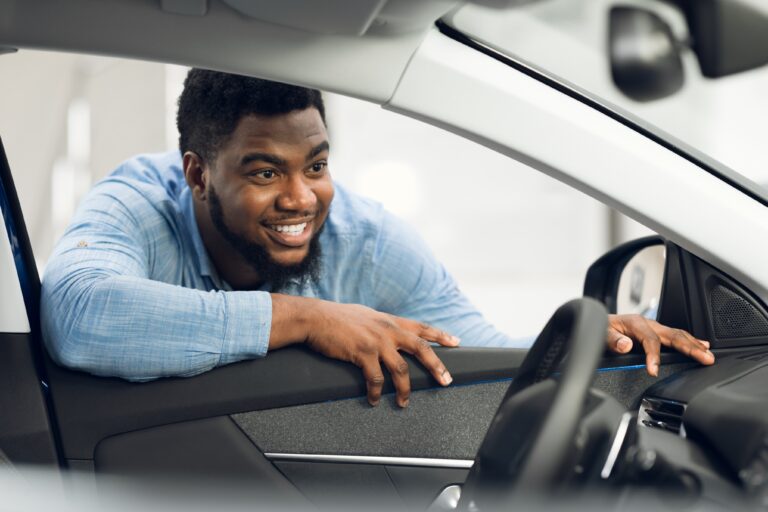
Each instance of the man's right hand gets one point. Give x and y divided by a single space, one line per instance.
362 336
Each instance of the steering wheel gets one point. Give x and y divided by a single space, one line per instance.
528 446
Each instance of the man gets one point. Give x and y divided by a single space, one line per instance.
240 244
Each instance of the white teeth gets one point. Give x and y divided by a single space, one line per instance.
295 229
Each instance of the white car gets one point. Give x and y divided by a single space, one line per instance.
602 428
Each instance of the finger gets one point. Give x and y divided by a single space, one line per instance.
429 333
618 342
640 329
421 348
398 368
651 344
685 343
374 379
652 357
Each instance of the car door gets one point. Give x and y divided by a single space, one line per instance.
293 424
297 422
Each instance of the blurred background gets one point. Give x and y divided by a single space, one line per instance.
518 242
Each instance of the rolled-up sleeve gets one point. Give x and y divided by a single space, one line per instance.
101 311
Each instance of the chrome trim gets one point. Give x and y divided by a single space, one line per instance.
618 441
447 500
366 459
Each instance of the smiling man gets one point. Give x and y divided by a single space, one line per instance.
240 243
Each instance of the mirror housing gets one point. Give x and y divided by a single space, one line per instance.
604 275
644 55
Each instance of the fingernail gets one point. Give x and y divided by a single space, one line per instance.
405 403
455 339
624 344
705 343
447 379
655 369
373 403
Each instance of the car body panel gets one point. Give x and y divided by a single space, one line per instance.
589 151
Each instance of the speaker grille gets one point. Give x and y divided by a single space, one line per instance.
734 316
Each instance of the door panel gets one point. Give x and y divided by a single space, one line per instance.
25 431
91 408
212 448
446 423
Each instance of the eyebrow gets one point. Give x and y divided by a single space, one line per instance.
276 160
261 157
323 146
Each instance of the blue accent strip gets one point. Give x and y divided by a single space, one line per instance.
493 381
622 368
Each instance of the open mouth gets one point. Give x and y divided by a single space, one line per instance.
290 229
291 235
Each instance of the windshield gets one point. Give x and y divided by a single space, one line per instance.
569 40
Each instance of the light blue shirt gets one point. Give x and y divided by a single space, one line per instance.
131 292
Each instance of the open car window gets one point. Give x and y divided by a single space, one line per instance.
517 242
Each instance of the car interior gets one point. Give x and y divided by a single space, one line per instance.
564 419
309 433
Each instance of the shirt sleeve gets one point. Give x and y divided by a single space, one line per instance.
101 312
408 281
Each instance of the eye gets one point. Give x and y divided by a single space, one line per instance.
264 174
319 167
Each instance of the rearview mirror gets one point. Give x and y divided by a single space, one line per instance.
644 55
728 36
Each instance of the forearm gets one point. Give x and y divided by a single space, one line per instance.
140 329
294 319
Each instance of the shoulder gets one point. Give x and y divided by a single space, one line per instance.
353 216
143 193
362 224
154 174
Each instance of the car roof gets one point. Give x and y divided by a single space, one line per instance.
355 47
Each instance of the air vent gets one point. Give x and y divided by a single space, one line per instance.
662 414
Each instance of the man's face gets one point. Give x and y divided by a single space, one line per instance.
270 189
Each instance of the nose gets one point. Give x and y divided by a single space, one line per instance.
296 195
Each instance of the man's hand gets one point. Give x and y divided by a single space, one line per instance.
362 336
622 329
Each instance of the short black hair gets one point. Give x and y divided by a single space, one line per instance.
213 103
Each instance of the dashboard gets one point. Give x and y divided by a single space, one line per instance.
708 428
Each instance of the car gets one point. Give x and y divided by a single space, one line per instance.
562 420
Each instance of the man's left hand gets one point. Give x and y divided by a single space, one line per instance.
625 330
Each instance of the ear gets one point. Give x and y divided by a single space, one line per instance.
197 174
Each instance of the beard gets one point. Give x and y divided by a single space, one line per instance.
272 272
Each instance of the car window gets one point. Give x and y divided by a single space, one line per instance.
569 40
517 242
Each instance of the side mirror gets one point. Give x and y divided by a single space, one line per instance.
661 280
628 279
645 58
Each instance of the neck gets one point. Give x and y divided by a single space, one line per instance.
229 263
